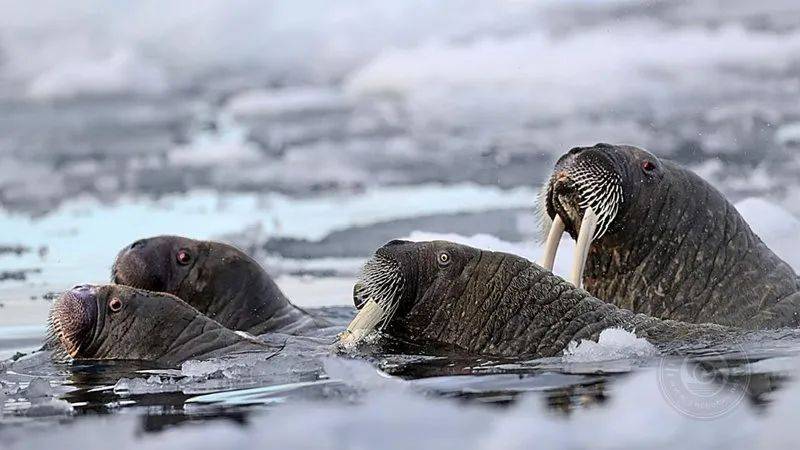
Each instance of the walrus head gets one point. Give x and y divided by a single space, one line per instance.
161 264
590 193
115 322
219 280
656 238
404 277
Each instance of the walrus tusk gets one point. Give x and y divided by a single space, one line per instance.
551 246
365 321
585 236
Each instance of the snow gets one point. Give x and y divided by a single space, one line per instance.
541 76
206 147
283 102
778 228
121 73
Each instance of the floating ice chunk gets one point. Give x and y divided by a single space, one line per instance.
357 373
613 344
39 388
122 72
151 385
51 407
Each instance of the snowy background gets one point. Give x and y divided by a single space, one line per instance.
309 132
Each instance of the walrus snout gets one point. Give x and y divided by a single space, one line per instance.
73 317
583 197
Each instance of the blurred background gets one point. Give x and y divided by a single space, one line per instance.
310 132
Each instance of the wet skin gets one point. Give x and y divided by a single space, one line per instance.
219 280
673 246
445 295
113 322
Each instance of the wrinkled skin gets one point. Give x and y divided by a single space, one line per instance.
677 249
219 280
115 322
500 304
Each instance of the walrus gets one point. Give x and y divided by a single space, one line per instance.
656 238
441 295
217 279
114 322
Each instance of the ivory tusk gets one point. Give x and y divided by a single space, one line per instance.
585 236
551 246
365 321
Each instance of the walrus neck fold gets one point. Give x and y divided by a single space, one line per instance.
256 305
204 338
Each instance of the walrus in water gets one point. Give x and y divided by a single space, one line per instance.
115 322
655 238
445 295
219 280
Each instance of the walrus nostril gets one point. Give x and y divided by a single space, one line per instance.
83 292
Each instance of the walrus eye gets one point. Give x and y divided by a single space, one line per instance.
648 166
183 257
444 259
115 304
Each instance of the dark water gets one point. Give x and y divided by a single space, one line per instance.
308 369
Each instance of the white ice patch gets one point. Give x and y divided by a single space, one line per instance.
229 146
540 74
123 72
290 101
613 344
788 134
778 228
312 40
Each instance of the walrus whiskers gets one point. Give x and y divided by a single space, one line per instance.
380 283
599 197
53 341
